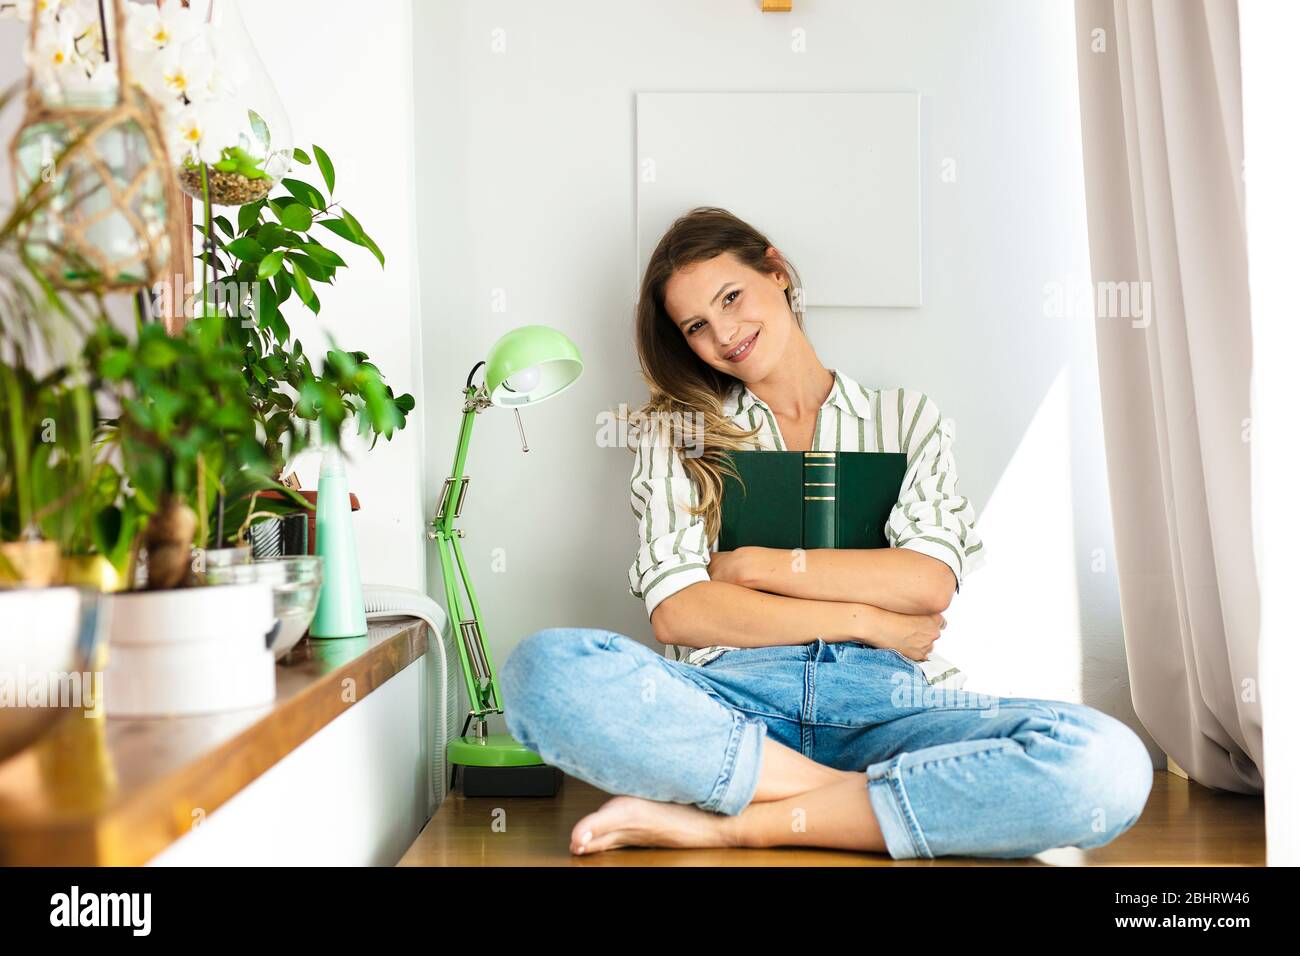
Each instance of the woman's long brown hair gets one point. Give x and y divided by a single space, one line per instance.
682 387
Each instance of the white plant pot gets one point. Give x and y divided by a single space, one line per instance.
196 650
234 614
38 629
186 679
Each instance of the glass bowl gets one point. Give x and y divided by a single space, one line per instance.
295 589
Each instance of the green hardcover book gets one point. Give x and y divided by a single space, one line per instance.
810 499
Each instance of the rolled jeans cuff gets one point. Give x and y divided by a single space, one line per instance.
898 824
740 768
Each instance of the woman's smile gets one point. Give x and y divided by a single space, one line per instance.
741 351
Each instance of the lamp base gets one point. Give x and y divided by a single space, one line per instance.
538 780
500 766
492 750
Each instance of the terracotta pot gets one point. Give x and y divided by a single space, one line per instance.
92 571
32 564
311 515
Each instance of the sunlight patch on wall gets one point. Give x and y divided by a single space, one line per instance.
1015 627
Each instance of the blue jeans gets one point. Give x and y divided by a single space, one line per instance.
947 772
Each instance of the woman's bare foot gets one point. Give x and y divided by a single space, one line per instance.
633 821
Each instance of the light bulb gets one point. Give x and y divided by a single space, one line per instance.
524 381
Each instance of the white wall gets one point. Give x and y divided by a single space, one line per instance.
346 84
527 196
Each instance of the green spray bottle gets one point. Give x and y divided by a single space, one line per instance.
341 611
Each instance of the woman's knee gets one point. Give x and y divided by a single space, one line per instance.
1110 776
549 675
540 660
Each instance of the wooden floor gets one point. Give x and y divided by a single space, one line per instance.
1184 824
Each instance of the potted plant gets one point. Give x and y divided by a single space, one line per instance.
271 253
58 494
184 430
61 513
185 425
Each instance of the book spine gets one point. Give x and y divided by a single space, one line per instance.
819 487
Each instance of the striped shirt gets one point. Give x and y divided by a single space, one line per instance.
930 516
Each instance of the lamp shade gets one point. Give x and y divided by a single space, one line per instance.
531 364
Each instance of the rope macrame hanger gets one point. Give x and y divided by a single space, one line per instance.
90 123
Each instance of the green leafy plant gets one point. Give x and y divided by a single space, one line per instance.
237 160
56 484
201 424
273 252
186 431
64 486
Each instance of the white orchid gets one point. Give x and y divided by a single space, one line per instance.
166 45
68 55
171 56
54 55
89 37
200 131
91 81
171 52
152 27
22 9
178 74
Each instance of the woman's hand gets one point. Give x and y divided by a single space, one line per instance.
912 635
727 566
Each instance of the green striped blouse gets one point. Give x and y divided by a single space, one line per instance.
930 516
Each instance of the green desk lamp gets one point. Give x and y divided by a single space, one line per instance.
527 365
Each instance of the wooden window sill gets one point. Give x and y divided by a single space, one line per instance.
116 792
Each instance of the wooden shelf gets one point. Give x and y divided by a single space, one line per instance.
116 791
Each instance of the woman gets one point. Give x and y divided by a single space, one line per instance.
801 715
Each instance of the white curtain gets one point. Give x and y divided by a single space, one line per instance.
1160 95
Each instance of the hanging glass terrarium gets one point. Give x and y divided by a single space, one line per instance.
230 117
90 162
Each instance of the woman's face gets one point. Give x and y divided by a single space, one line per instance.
721 305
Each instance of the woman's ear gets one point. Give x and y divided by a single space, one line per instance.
778 266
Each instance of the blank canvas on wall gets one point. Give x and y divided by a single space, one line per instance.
833 180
